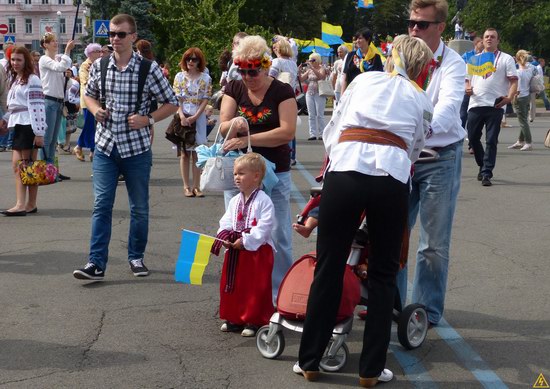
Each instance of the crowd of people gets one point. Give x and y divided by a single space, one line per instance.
121 92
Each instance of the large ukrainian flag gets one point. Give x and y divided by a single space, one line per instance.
331 34
193 257
481 64
365 3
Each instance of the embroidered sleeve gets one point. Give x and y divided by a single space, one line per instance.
178 87
35 102
261 224
205 91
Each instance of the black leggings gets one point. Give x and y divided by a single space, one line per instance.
345 196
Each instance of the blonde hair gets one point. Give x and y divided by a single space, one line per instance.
251 47
252 161
521 57
415 52
315 56
441 8
283 47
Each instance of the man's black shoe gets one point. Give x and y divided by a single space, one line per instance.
479 176
63 177
486 181
89 272
138 268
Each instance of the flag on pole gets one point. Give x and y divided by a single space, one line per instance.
315 45
365 3
331 34
193 257
481 64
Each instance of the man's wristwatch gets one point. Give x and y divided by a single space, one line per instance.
151 119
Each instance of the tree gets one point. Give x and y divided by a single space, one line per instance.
140 10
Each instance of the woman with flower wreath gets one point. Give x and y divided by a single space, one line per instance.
27 117
363 59
270 110
193 88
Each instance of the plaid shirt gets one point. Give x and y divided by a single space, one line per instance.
121 97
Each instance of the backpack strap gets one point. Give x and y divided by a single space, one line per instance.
143 72
103 67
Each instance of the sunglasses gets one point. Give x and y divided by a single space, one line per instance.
192 59
312 60
120 34
421 24
248 72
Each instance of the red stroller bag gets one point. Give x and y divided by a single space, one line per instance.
294 290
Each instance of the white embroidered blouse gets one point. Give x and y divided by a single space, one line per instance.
26 105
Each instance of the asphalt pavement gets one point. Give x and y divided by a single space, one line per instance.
127 332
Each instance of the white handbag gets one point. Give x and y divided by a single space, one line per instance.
217 174
325 88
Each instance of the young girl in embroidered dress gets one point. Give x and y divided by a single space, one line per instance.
245 285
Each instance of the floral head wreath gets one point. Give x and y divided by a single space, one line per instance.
264 62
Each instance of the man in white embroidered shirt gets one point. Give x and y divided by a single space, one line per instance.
435 185
123 144
489 96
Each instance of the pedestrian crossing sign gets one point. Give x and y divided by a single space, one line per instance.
101 28
541 382
9 39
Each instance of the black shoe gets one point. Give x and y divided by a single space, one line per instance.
121 178
89 272
320 138
14 213
486 181
138 268
63 177
312 138
479 176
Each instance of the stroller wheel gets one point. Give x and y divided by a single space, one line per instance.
412 326
336 362
270 349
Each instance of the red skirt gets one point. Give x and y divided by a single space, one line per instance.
250 301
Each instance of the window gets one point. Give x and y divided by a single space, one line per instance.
61 1
11 1
79 26
45 2
62 26
28 1
28 26
11 25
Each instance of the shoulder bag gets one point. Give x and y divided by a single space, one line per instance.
179 135
37 172
536 84
217 175
325 88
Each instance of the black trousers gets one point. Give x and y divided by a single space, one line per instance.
345 196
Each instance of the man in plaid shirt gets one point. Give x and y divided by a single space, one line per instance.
123 145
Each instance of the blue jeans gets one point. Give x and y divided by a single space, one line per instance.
282 228
53 121
491 118
7 140
136 171
316 113
435 187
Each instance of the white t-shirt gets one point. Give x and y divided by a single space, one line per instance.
524 81
379 101
488 88
280 65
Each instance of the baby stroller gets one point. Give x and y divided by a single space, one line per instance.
412 322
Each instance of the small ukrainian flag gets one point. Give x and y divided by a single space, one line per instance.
193 257
481 64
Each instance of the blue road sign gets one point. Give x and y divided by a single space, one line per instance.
101 28
9 39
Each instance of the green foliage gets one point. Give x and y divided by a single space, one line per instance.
140 10
206 24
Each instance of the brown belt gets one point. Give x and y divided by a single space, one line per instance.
370 135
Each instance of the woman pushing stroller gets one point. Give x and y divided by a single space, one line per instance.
386 142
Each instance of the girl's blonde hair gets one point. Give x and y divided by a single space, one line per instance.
252 161
521 57
415 52
251 47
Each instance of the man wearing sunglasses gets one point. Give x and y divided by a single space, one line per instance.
123 144
435 185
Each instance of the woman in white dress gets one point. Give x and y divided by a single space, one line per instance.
193 88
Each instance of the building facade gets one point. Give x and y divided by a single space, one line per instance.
29 20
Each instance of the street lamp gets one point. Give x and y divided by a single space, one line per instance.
59 31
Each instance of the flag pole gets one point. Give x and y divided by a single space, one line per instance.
75 18
209 236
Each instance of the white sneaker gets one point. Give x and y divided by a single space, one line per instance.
386 375
249 331
517 145
526 147
297 369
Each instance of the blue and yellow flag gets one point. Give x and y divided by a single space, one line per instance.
193 257
481 64
331 34
365 3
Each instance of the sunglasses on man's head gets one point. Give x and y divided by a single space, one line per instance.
120 34
249 72
192 59
421 24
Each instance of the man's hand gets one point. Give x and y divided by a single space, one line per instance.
505 101
136 121
469 91
101 115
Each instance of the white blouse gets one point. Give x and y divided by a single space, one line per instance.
379 101
260 220
26 105
52 73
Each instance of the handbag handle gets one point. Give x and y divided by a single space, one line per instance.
249 148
